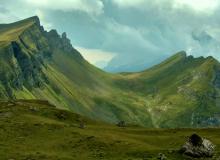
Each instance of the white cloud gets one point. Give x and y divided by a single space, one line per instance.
129 3
88 6
206 6
141 4
7 18
41 15
95 56
126 33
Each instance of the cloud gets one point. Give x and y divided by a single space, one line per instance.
126 36
95 56
41 15
129 3
167 25
11 10
88 6
201 6
136 31
206 6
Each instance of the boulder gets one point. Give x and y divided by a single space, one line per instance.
198 147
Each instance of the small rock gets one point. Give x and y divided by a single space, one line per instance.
171 151
161 156
198 147
121 124
33 109
61 116
82 125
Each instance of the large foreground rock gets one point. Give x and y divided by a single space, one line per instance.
198 147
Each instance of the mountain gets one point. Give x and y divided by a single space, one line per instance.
182 88
133 63
205 43
36 64
182 91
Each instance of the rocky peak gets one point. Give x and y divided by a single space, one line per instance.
54 39
26 54
64 36
35 19
67 46
53 33
25 22
61 42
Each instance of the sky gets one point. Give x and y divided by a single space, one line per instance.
127 35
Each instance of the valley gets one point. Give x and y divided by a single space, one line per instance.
182 91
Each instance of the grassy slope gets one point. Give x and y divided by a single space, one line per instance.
88 86
37 130
176 88
165 95
10 32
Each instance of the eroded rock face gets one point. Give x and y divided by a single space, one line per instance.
61 42
25 57
216 81
198 147
30 67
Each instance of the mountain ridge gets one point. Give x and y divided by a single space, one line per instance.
39 64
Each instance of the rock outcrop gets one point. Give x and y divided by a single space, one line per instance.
25 56
198 147
62 43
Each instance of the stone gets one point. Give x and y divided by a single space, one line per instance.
198 147
161 156
82 125
121 124
33 109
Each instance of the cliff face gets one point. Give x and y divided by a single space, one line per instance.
23 59
26 55
36 64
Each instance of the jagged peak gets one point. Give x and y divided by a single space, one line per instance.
11 31
64 35
181 54
53 32
34 19
211 60
176 57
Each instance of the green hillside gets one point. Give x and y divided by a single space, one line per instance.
36 130
35 64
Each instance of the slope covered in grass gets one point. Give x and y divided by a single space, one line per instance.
35 64
37 130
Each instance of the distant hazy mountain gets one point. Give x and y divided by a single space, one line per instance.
101 64
136 64
206 44
203 44
182 91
